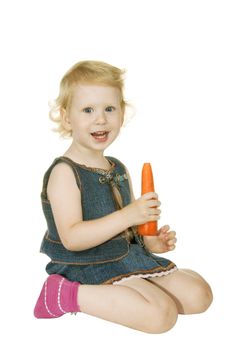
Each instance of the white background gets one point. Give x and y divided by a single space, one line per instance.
179 78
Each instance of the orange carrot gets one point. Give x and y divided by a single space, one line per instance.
149 228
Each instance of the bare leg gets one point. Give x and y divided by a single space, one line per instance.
190 291
129 307
194 274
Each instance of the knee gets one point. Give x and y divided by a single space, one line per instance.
162 318
201 298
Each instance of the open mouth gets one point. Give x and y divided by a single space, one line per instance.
101 135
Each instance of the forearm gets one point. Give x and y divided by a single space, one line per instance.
90 233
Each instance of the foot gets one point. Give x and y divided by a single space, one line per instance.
58 296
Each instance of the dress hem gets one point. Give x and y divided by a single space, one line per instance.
142 275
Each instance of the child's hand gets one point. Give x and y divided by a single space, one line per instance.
164 242
142 210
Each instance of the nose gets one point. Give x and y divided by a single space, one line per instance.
100 118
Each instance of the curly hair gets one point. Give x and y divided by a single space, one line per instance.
84 71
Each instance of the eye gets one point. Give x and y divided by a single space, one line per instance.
88 110
110 109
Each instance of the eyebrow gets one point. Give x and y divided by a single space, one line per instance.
94 105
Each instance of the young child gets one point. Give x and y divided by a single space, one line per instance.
99 264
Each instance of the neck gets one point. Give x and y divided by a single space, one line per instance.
86 156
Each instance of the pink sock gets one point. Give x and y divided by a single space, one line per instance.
58 296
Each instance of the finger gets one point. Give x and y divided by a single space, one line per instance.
154 203
167 239
153 217
171 234
149 195
168 235
162 232
163 236
165 228
154 211
172 247
172 242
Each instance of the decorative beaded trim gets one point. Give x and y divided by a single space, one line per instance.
109 177
106 178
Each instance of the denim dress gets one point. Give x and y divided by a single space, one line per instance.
122 257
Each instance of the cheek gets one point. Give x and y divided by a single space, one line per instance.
121 119
117 121
79 125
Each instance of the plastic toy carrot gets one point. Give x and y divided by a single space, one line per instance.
149 228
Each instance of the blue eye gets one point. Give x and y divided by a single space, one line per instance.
110 109
88 110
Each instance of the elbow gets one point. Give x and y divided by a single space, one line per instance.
72 247
69 240
69 246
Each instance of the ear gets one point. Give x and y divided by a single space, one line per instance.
65 120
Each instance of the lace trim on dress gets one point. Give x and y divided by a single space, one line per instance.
141 275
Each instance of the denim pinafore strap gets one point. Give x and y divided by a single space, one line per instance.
102 192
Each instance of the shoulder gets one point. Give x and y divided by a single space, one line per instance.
62 179
65 168
61 171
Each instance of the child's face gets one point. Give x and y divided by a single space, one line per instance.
94 108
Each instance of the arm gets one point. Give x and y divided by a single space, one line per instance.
65 199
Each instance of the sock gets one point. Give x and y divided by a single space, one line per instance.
58 296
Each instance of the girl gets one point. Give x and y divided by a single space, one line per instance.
99 264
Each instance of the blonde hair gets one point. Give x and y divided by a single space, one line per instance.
96 72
